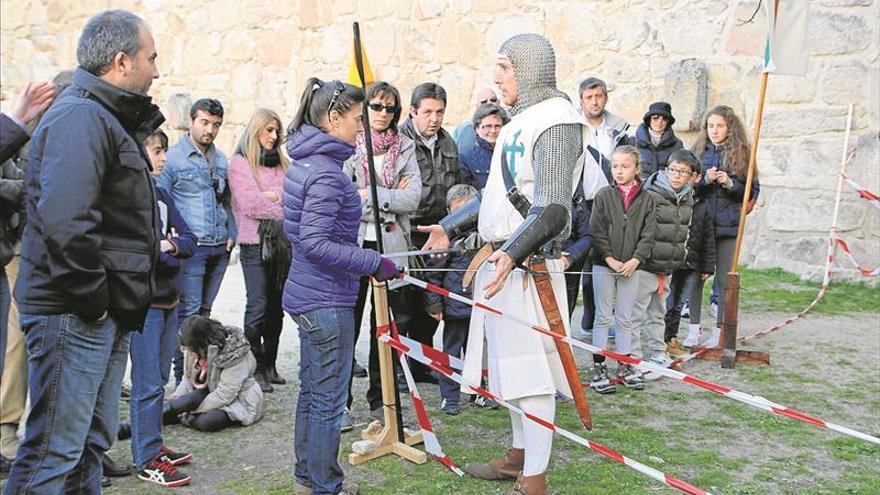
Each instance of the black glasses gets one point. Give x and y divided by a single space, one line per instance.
340 88
493 99
378 107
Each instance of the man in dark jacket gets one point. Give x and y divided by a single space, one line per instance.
88 255
13 135
437 155
673 206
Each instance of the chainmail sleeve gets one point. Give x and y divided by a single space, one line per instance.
554 158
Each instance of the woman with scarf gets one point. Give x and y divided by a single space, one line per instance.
399 190
256 175
655 138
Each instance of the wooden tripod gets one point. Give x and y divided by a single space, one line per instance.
387 441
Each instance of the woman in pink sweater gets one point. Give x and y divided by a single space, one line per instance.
256 175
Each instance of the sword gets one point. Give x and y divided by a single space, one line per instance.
538 269
420 252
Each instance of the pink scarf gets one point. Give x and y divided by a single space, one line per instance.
387 142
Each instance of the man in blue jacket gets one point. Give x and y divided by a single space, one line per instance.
88 255
196 176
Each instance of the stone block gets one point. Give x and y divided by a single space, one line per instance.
789 122
846 81
689 32
746 38
314 13
845 3
509 25
176 110
686 89
240 46
809 211
834 33
790 89
429 9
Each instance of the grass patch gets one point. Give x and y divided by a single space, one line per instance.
781 291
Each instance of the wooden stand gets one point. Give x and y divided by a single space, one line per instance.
387 441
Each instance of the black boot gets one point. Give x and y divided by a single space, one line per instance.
263 380
274 377
124 431
112 469
169 415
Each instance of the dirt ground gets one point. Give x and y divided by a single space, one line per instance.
825 366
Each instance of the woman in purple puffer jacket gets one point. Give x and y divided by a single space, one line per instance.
322 213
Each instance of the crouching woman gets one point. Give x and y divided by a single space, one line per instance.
218 389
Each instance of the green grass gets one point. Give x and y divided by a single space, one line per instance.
780 291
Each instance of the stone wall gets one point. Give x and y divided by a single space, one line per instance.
258 53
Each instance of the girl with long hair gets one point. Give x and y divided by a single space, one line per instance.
256 175
723 149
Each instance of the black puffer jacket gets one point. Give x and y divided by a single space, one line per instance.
655 158
90 243
672 212
439 172
701 240
621 234
11 209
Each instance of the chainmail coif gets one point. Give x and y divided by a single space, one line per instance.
534 67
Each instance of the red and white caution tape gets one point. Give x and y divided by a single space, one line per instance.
864 271
863 192
748 399
660 476
432 445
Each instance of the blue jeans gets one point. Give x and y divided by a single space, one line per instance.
455 335
76 370
326 352
263 314
151 351
199 283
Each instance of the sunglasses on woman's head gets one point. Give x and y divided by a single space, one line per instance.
378 107
493 99
340 88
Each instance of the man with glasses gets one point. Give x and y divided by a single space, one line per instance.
673 206
196 176
465 135
488 121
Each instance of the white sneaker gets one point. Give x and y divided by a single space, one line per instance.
693 337
714 335
713 310
686 311
661 360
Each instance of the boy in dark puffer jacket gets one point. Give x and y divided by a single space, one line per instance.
456 316
687 282
673 200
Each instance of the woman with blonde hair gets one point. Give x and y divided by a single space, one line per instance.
723 149
256 175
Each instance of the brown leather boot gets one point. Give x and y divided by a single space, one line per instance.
507 468
530 485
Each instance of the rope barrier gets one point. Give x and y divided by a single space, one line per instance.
745 398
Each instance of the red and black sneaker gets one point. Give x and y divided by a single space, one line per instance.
175 458
161 472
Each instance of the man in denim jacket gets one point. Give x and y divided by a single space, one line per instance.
196 176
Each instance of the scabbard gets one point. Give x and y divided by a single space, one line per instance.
557 326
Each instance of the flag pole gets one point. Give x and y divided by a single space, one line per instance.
731 289
391 439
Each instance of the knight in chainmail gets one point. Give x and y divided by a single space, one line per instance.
523 211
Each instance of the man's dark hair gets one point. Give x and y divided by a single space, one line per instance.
208 105
427 90
381 88
685 157
590 83
105 35
487 109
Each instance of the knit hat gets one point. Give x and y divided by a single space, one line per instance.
659 108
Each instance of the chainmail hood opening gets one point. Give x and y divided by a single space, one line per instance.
534 67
